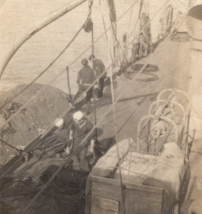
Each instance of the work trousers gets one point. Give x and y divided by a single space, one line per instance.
100 88
81 156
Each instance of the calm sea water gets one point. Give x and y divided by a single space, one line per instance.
39 51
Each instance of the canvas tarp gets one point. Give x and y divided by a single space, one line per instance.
167 169
106 164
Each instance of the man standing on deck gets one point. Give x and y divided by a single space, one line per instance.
99 68
81 127
85 79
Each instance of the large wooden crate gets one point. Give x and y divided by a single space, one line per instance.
105 197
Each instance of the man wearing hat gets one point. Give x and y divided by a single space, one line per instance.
99 68
85 79
81 127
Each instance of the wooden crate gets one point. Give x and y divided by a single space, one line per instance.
106 198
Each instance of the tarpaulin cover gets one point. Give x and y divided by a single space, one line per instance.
167 169
144 169
107 164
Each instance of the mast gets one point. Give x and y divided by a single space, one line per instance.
37 27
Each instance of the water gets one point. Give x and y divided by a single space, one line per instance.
39 51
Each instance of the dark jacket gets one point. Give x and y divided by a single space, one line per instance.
99 68
79 133
86 75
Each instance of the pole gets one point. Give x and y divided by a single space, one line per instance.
93 66
35 28
68 85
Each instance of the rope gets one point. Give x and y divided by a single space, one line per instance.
116 36
35 79
61 54
81 142
131 14
51 125
11 146
22 107
37 195
68 109
141 5
116 138
145 7
125 45
64 70
103 21
130 22
69 88
147 22
59 75
115 126
79 99
93 63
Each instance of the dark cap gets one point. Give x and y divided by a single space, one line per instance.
91 57
84 61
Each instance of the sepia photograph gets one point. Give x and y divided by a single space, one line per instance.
100 106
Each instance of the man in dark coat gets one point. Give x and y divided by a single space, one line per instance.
81 127
99 68
85 79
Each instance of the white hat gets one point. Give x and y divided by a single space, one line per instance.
59 122
78 115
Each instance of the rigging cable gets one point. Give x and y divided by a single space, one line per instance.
115 126
69 108
131 14
93 66
144 90
54 80
63 114
116 139
89 46
117 41
145 7
57 76
127 34
70 99
80 145
149 21
50 84
59 56
83 140
41 136
34 80
103 21
53 176
22 107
